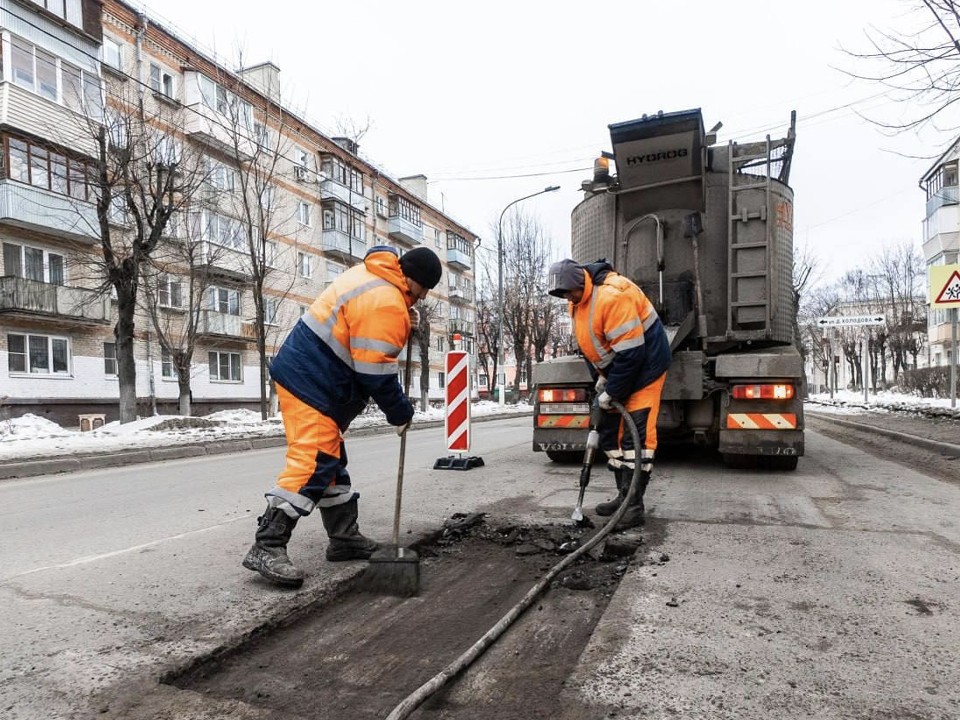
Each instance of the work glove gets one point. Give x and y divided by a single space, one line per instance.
601 384
402 429
414 317
605 401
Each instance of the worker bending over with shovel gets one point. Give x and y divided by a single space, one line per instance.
626 348
342 351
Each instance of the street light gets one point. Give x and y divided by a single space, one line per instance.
501 371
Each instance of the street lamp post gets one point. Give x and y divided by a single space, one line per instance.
501 370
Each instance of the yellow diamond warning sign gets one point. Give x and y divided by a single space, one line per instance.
945 286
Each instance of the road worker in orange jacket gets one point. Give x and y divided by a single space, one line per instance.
341 352
626 347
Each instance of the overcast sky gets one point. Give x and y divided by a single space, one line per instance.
457 90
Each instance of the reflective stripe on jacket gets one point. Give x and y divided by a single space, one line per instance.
344 349
619 332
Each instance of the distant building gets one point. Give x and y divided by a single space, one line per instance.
63 66
941 241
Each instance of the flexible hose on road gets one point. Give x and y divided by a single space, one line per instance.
420 695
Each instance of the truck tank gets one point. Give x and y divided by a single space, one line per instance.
706 231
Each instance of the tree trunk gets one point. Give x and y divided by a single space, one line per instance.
126 363
183 383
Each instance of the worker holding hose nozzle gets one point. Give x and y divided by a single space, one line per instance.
625 346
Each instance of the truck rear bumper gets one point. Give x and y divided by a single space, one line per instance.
761 442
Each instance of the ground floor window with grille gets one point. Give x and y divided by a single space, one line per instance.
224 366
38 354
483 380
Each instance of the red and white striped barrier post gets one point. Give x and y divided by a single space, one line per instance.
456 366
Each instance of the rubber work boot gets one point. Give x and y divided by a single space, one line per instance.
346 542
608 508
268 556
633 516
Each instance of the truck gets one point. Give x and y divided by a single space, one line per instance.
705 229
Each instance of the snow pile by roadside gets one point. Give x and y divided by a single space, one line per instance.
31 437
848 402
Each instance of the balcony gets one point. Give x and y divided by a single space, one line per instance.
459 259
461 295
399 228
223 262
217 324
31 297
464 327
23 109
209 127
337 244
48 212
332 190
947 195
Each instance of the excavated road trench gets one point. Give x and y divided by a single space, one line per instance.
358 655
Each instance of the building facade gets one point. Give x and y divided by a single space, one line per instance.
72 67
941 243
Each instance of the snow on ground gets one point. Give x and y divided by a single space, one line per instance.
32 437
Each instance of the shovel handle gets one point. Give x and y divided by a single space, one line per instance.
403 446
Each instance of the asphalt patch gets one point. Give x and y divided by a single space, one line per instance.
359 655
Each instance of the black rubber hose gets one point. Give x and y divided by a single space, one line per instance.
420 695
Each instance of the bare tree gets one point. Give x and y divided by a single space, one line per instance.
259 152
488 340
918 64
429 313
141 176
526 252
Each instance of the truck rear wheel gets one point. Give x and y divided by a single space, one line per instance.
565 457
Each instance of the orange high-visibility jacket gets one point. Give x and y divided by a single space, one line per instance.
344 349
619 332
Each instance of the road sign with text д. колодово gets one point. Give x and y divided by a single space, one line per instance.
846 320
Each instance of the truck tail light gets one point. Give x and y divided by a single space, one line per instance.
763 392
552 395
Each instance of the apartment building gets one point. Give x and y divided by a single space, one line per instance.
71 65
941 243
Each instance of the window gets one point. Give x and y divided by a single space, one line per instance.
38 354
442 378
111 53
303 213
333 272
436 237
261 134
56 80
223 300
348 220
161 81
221 177
483 380
69 10
403 208
166 364
29 163
33 264
109 358
271 308
303 310
220 229
301 158
335 169
170 291
216 97
270 253
224 366
304 263
456 241
381 206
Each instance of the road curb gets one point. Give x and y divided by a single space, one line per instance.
98 461
935 445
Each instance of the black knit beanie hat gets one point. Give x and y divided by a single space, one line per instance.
423 265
